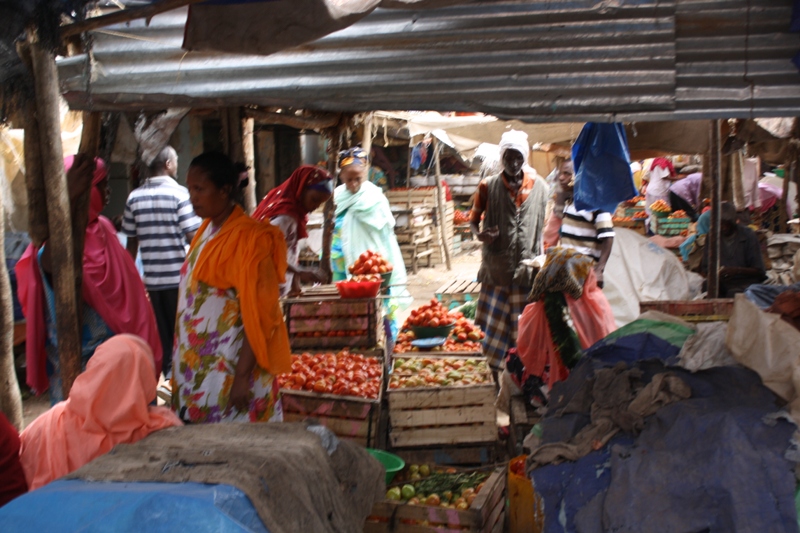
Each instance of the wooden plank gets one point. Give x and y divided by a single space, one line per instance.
343 427
492 492
443 417
422 398
464 454
443 435
315 404
299 308
329 323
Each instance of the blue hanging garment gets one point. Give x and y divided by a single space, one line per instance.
602 164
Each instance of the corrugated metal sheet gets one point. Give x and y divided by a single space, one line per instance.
539 60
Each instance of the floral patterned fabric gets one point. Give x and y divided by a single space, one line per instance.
208 338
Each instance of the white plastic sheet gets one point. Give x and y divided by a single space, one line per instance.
640 271
768 345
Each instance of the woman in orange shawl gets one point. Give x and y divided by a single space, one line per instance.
109 404
230 335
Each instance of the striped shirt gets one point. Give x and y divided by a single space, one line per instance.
160 215
584 230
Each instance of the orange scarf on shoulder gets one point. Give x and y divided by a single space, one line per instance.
250 257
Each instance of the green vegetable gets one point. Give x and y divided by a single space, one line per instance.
407 492
453 483
393 494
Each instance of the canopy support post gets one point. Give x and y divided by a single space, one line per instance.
441 201
715 150
58 213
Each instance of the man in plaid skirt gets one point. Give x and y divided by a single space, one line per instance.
511 205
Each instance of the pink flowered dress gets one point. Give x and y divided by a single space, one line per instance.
208 337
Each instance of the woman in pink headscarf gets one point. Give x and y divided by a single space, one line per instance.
114 297
110 404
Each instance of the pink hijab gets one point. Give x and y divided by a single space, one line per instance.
109 404
111 286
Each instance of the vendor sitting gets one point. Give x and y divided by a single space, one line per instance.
740 261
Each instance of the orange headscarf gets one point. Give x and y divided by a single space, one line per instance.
250 256
109 404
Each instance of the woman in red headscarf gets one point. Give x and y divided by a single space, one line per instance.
114 297
287 207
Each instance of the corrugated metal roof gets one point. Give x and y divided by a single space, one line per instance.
538 60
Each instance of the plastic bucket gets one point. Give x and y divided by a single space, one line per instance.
391 463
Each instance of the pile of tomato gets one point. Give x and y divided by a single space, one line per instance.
431 315
461 217
370 263
343 374
465 336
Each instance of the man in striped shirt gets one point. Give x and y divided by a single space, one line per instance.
160 221
588 232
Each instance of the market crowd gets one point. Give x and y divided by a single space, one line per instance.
205 310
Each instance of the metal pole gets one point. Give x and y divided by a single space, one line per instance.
715 151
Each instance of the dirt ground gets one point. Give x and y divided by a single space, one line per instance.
422 287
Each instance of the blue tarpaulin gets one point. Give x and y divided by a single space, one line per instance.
73 505
713 463
602 165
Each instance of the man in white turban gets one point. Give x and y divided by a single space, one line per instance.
508 218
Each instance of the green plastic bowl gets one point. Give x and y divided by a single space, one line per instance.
392 463
425 332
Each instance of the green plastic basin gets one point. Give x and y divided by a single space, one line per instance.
392 463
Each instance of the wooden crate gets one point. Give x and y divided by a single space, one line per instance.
456 455
442 415
694 310
349 417
633 225
486 515
669 227
459 291
311 319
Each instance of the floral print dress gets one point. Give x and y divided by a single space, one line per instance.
208 338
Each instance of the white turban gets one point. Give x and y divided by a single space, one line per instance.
515 140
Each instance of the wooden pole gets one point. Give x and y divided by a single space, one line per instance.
334 145
783 210
10 397
58 213
366 138
90 147
715 149
34 180
124 15
441 203
248 148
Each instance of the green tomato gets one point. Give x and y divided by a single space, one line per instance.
413 469
424 470
407 492
393 494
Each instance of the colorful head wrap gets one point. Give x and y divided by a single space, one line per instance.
353 156
287 198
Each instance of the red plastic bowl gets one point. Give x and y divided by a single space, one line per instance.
358 289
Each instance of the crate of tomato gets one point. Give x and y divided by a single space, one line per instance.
343 391
439 400
331 322
437 500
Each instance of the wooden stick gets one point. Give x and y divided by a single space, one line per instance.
90 147
441 201
10 397
715 152
248 147
783 211
334 144
58 213
124 15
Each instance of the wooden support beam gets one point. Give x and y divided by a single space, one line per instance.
123 15
334 136
437 147
10 397
265 169
715 165
248 148
783 208
315 122
58 213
